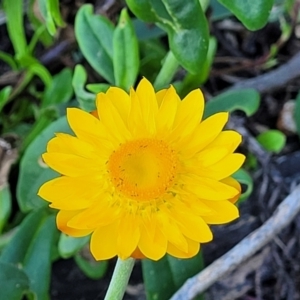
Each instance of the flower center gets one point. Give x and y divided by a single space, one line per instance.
143 169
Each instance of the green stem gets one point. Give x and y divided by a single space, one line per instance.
119 280
167 71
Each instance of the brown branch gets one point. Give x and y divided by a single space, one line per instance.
284 215
272 80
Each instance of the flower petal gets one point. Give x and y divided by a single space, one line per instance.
128 235
234 183
228 138
192 226
189 113
62 219
68 144
160 96
206 188
111 119
121 100
211 155
152 247
148 103
136 117
223 212
221 169
100 213
193 249
167 111
86 126
170 229
71 165
68 193
205 133
104 243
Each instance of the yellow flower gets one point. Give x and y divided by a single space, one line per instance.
144 175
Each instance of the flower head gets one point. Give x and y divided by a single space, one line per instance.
144 174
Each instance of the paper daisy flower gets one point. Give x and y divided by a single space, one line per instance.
144 174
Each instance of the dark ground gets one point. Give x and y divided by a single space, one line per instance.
274 272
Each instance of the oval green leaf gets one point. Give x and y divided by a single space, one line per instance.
69 246
33 171
4 96
164 277
252 13
94 34
15 27
5 205
193 81
126 53
186 25
244 177
37 263
85 99
96 88
31 248
272 140
246 100
188 35
90 267
60 91
14 282
142 9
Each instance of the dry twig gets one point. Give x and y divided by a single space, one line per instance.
283 216
274 79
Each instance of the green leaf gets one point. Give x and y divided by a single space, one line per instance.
252 13
4 96
15 26
15 251
152 54
49 9
47 117
186 25
68 245
297 113
31 248
219 12
96 88
246 100
189 38
60 91
145 32
39 70
53 6
143 10
89 266
46 14
193 81
94 34
86 100
9 60
5 205
36 68
244 177
33 171
126 53
37 263
272 140
164 277
14 282
37 20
